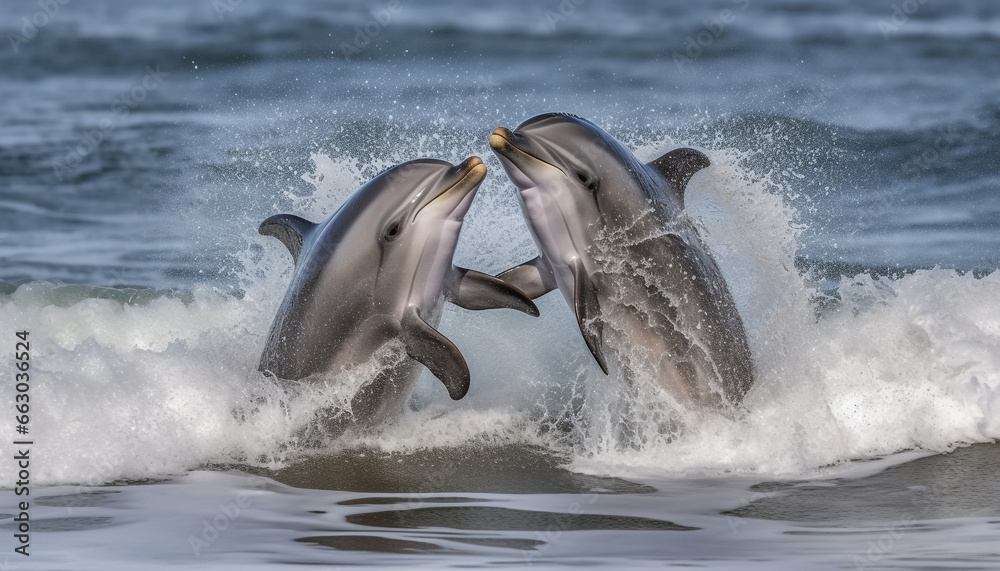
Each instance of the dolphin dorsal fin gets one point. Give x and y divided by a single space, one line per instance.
290 229
679 165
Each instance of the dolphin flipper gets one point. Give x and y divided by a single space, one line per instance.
588 312
534 278
475 290
678 166
290 229
428 346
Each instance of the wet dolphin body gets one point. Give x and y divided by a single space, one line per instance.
377 270
615 240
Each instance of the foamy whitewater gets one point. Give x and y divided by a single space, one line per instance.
132 385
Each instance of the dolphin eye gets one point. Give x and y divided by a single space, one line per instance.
392 231
587 181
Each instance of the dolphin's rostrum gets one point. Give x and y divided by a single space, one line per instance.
614 239
377 270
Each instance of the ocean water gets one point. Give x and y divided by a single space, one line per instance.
852 204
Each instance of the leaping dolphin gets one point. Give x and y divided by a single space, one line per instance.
379 269
615 240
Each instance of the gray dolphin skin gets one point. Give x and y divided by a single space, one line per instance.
377 270
615 240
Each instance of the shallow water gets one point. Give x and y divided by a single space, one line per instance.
851 205
515 507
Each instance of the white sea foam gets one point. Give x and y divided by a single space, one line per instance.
140 389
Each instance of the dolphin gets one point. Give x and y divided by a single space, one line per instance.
378 270
615 240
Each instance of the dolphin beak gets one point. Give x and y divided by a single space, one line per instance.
457 197
519 149
501 139
472 164
516 147
518 155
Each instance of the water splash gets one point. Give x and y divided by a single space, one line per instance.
145 384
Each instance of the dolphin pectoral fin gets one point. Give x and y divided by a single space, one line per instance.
475 290
678 166
436 352
588 312
534 278
290 229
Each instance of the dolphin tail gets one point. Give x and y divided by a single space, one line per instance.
588 312
428 346
678 166
533 277
288 228
475 290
